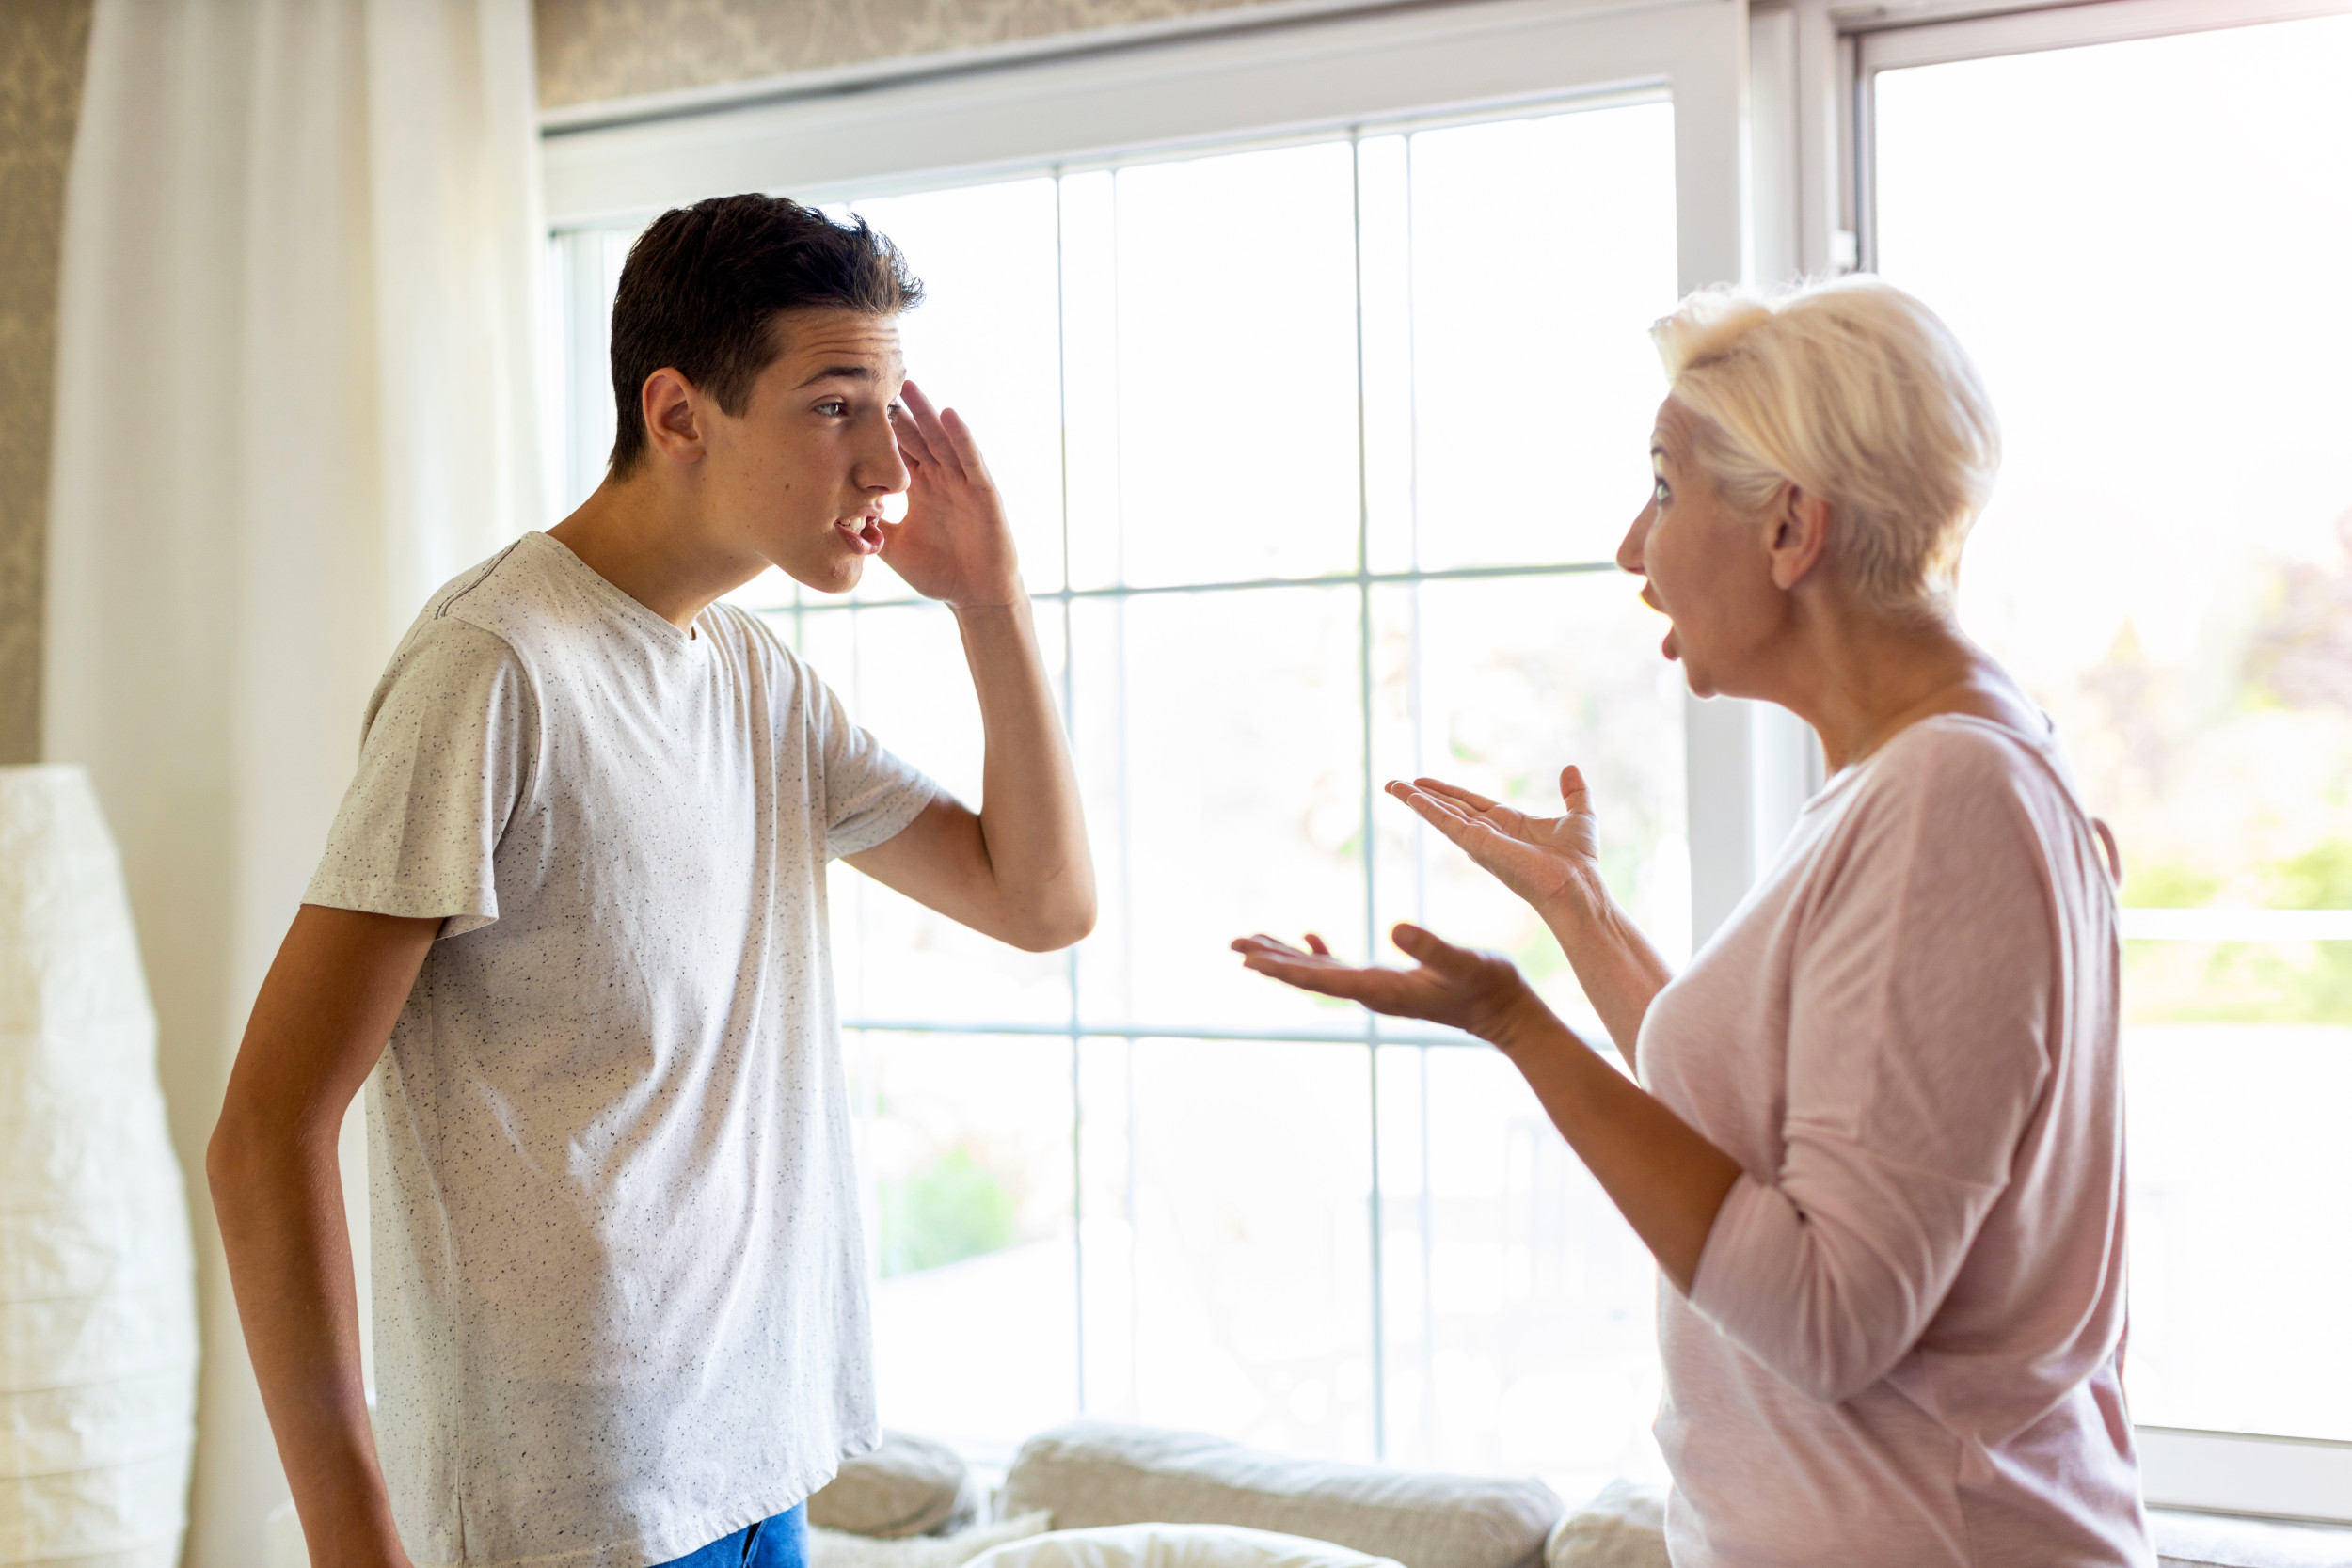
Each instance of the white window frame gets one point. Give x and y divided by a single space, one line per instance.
1770 122
1282 70
1815 204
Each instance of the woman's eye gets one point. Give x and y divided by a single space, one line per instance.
1659 492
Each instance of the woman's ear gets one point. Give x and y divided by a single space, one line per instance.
1798 521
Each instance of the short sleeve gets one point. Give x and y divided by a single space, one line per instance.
444 761
1920 1013
870 794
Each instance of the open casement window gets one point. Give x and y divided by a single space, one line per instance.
1261 332
2138 216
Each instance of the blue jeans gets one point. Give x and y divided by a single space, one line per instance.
778 1543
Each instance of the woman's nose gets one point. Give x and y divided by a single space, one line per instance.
1629 548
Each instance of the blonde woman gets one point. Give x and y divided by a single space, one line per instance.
1876 1140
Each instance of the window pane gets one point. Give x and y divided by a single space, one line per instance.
900 669
2125 236
1541 249
1237 366
964 1147
985 342
1520 1308
1228 1240
1221 747
1497 685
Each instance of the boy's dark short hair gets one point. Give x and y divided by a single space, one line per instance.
703 284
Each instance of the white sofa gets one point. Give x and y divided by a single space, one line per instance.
1098 1473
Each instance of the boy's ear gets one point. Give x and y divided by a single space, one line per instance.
1797 534
668 403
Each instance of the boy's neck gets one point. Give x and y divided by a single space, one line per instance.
655 546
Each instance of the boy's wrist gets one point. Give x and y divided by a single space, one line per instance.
1012 597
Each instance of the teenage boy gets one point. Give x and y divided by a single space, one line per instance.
579 884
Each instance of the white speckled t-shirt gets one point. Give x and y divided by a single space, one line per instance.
619 1279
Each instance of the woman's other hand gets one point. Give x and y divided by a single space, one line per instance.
1480 993
1554 864
1542 859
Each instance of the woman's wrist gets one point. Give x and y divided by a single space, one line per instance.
1580 906
1522 1024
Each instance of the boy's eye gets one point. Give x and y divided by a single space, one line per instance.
831 405
1659 492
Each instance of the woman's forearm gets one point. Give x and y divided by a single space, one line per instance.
1618 968
1665 1178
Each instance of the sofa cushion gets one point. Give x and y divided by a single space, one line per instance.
908 1486
1092 1473
1625 1527
1164 1546
2214 1541
836 1550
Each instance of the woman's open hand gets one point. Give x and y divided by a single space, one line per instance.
1480 993
1542 859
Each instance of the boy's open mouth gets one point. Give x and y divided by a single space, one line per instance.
865 534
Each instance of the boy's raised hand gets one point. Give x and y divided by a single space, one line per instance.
1539 858
955 543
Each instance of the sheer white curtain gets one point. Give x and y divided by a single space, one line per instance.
296 391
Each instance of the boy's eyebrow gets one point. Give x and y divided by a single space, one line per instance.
838 372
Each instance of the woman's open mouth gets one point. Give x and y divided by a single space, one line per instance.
865 534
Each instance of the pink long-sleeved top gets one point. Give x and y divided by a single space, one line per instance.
1901 1346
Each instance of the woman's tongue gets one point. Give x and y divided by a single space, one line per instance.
863 533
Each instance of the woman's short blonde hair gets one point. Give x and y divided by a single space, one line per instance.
1854 391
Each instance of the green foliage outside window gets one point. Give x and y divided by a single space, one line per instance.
951 1209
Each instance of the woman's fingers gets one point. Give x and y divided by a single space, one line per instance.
1439 812
1469 798
1572 791
1431 951
1472 834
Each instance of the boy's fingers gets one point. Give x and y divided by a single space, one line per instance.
927 419
910 433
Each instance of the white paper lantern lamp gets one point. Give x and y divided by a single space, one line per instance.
98 1338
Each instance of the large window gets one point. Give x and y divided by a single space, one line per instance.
1317 444
2142 241
1262 419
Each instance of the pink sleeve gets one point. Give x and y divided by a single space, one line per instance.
1919 1011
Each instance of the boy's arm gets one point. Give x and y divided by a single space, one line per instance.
1019 869
320 1024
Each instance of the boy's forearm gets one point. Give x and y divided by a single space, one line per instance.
289 1248
1031 824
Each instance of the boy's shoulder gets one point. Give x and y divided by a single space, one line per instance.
519 596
